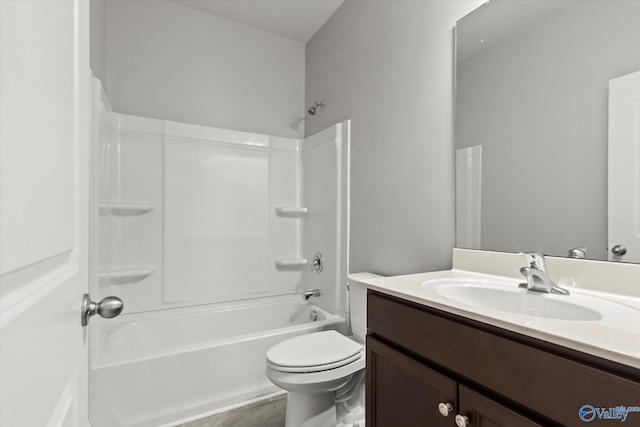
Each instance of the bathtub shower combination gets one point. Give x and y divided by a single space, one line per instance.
208 236
165 367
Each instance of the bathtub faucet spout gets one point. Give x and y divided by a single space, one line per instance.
313 293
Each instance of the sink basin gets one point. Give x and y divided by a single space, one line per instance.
508 297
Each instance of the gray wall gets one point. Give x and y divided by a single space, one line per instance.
387 66
168 61
538 104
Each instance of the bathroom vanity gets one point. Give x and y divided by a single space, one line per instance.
436 365
419 357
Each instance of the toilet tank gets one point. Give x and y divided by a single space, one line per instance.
358 303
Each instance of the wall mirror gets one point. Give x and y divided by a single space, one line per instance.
532 124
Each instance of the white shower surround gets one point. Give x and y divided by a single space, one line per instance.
213 194
213 221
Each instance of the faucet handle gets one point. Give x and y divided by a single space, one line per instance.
535 260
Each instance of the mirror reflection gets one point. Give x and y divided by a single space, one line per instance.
532 125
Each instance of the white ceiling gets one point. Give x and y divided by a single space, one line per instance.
293 19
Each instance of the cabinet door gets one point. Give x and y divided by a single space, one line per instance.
402 392
484 412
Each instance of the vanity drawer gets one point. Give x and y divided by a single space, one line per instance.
549 385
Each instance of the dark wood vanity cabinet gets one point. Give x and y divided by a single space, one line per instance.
401 390
418 358
484 412
404 392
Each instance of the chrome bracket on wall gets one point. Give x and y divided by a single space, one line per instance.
318 263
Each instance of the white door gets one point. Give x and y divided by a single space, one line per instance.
624 168
44 211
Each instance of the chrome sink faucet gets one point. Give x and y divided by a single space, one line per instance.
537 277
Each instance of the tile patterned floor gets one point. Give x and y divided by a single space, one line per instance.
267 413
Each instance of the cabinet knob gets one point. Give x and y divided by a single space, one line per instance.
461 420
445 409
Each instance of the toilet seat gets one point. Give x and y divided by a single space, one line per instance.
315 368
315 352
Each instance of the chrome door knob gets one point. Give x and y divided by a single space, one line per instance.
109 307
461 421
445 409
619 250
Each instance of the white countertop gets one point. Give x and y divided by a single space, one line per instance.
615 338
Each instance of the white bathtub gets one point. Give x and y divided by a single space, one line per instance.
163 369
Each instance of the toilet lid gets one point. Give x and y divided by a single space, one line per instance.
313 352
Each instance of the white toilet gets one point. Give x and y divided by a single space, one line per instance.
324 371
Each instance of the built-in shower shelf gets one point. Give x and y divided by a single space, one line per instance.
126 208
291 263
127 274
291 211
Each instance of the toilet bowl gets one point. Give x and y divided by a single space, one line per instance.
313 368
323 372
